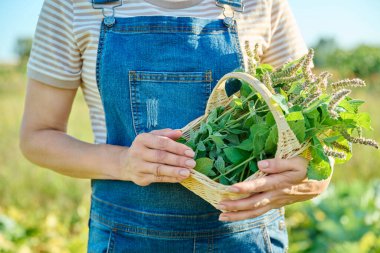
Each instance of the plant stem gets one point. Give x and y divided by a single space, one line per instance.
234 168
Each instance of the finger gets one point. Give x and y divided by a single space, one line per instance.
164 157
168 132
277 165
162 179
253 202
164 143
268 183
165 170
243 215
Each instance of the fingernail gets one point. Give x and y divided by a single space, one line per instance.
184 173
190 163
263 164
221 207
223 218
233 189
190 153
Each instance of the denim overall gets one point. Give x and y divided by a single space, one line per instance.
157 72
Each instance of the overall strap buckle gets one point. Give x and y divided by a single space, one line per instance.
235 5
109 19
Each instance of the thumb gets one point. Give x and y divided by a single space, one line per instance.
168 132
277 165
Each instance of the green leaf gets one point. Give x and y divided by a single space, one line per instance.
233 139
294 116
220 165
312 118
223 180
281 101
235 155
319 170
212 116
263 68
347 106
237 103
356 103
204 165
218 140
299 129
271 142
201 146
259 135
296 122
317 150
295 89
354 120
364 120
236 131
245 89
181 140
331 139
296 108
322 99
253 166
270 119
246 145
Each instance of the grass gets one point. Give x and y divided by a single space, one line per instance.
41 211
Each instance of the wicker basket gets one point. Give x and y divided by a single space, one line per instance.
287 146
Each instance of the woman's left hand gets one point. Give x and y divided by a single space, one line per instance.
286 183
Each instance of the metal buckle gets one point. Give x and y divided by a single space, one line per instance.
109 20
238 9
229 21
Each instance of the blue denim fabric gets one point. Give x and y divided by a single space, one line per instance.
157 72
116 228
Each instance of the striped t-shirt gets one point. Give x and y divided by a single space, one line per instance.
66 40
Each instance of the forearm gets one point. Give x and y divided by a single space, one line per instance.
66 155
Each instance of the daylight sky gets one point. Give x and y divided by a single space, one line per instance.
350 22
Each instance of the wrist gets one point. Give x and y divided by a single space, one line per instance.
114 160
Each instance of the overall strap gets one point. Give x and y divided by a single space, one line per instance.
109 20
237 5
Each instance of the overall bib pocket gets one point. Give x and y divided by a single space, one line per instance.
167 99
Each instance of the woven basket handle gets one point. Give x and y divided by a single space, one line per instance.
287 141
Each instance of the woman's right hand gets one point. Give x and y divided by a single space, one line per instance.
156 157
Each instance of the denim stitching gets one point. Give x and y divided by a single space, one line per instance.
194 246
151 214
182 234
98 57
267 237
238 49
214 232
173 29
110 242
212 244
132 93
172 76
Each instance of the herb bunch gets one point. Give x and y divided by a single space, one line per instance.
234 137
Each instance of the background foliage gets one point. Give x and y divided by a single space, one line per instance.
41 211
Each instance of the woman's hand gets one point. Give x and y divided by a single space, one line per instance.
156 157
286 183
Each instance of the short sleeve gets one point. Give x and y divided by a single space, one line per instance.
55 58
286 42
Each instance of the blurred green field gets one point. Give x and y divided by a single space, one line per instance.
41 211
